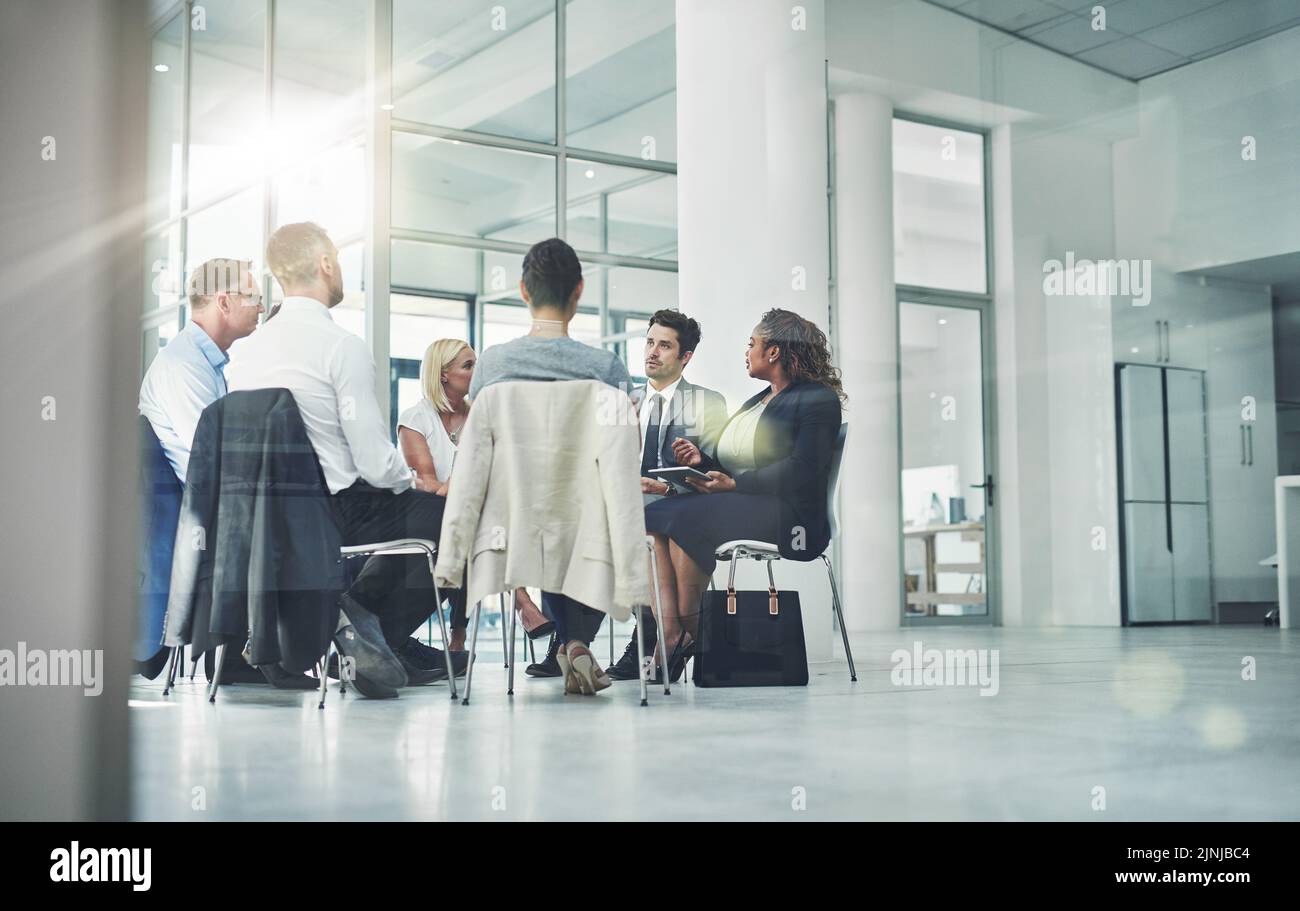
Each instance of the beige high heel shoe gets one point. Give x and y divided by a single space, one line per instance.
583 674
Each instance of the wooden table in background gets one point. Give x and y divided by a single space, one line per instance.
930 597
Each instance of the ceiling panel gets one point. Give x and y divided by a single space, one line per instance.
1141 37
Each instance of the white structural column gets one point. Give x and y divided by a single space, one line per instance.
866 318
752 213
379 169
751 178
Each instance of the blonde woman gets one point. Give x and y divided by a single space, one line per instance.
428 433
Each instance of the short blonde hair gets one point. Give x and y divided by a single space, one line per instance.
436 357
293 253
218 276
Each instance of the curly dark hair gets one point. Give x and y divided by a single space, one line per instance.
805 351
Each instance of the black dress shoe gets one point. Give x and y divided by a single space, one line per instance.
626 667
548 666
460 662
281 679
421 676
362 640
415 652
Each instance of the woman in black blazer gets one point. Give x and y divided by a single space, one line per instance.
768 476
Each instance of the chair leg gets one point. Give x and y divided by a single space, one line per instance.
839 617
473 645
170 676
640 652
510 653
442 624
324 667
219 660
505 656
659 615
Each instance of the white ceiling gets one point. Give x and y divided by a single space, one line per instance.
1141 37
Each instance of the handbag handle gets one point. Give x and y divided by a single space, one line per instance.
773 605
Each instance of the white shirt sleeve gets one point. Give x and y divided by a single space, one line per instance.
352 371
417 418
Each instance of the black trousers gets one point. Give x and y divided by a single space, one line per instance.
395 588
573 619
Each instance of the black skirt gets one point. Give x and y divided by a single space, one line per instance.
700 523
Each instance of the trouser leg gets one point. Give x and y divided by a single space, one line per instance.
573 620
396 588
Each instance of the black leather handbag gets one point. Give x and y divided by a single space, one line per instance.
750 638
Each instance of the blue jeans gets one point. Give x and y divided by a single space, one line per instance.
573 619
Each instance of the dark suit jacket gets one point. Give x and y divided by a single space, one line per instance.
695 413
257 548
793 446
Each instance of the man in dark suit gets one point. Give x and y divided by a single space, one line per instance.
669 408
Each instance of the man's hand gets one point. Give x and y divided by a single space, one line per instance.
687 453
718 482
431 485
654 485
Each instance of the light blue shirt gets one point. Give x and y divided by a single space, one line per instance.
184 378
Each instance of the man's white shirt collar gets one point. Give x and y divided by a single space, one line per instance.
667 392
296 303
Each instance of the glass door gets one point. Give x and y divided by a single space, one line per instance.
948 491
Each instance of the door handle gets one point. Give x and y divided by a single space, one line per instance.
1160 345
1243 444
987 487
1169 349
1250 444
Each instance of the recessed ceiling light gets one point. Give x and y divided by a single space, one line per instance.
1133 350
160 67
943 322
385 107
590 173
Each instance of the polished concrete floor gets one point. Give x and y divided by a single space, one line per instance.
1087 724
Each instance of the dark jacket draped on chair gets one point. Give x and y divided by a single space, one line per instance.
257 546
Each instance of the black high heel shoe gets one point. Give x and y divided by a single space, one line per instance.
681 653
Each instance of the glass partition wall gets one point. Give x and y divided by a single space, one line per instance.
503 123
942 268
434 142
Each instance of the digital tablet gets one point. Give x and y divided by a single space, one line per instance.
677 476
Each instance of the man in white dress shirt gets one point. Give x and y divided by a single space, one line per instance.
375 495
187 374
669 407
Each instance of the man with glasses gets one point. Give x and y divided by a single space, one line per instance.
188 374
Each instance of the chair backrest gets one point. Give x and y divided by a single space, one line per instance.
837 458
